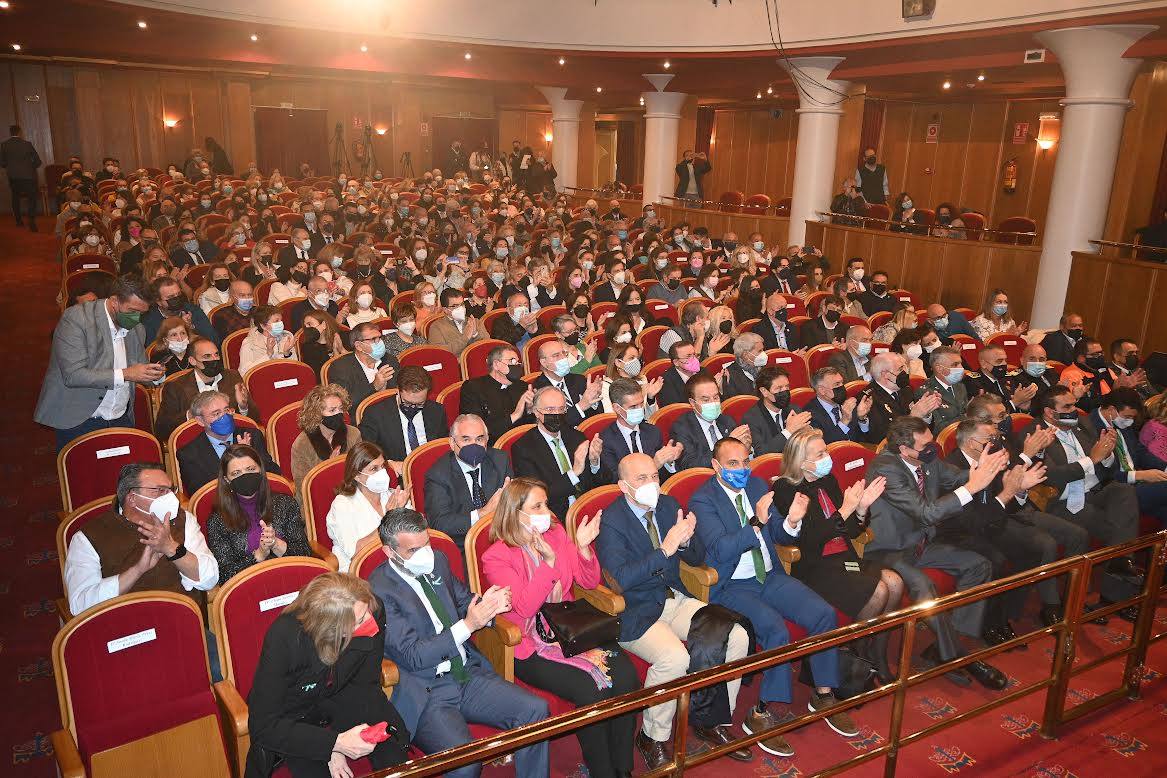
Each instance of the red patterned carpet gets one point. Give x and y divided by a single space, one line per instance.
1127 739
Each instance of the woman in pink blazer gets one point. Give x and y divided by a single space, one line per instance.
532 554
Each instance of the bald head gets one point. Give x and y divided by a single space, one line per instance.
633 466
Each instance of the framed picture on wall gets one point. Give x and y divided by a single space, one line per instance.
915 9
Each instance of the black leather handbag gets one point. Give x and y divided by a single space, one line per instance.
577 626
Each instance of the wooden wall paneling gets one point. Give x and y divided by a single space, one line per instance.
893 152
1154 335
980 181
177 141
737 179
948 161
1029 162
1014 269
687 132
381 116
587 145
406 134
118 136
1086 293
240 122
147 114
760 154
921 156
963 271
28 81
1143 135
850 131
62 112
1127 297
833 243
721 151
886 250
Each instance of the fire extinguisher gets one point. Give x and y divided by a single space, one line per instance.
1011 176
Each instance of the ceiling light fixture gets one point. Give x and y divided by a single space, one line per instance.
141 25
467 56
364 48
16 47
668 64
946 85
981 77
254 37
599 89
562 62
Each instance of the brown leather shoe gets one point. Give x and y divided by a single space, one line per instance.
775 744
721 735
840 722
652 751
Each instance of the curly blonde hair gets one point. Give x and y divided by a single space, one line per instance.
312 410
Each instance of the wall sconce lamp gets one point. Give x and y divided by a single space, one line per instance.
1045 144
382 130
1049 130
170 123
548 137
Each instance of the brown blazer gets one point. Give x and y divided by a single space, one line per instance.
178 394
304 456
443 333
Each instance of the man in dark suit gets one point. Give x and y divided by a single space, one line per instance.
1081 464
772 421
739 527
631 434
948 381
891 394
920 493
1059 344
995 378
318 300
430 616
691 171
785 277
298 250
500 398
409 419
875 297
699 431
685 365
854 362
1035 370
189 250
556 454
772 327
519 325
644 538
1125 371
207 373
198 460
609 292
583 395
825 328
838 416
365 369
19 159
948 323
739 377
167 300
1118 412
465 484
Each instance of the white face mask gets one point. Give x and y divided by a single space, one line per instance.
407 327
178 346
165 507
760 359
913 351
428 299
519 313
857 274
421 563
618 278
321 299
420 255
364 300
540 522
378 482
1122 422
458 313
647 494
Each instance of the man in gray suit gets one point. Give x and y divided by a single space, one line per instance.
98 355
947 381
922 492
19 158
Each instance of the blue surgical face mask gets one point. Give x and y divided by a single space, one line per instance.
711 411
245 304
223 426
277 329
941 323
622 234
1036 369
191 246
562 366
863 348
737 477
822 466
955 376
1000 310
634 416
378 350
337 261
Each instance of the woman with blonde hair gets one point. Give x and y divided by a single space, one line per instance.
362 499
425 300
904 318
236 236
172 344
996 318
260 265
829 564
323 431
1153 435
531 553
721 331
362 305
215 289
317 685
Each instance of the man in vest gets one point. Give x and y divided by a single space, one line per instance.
872 178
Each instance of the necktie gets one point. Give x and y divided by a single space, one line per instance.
457 668
653 533
635 448
778 421
412 430
756 551
1124 457
560 455
476 494
712 437
1075 490
198 257
920 481
838 415
563 388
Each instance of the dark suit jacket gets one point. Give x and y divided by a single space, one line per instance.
303 308
504 328
287 256
649 440
605 293
765 329
532 456
347 372
953 400
18 156
485 397
958 325
700 168
178 394
447 495
985 516
673 390
738 381
725 538
409 635
978 383
884 407
815 333
691 434
873 303
846 365
642 574
180 258
1043 382
381 424
767 437
899 518
200 465
1058 347
821 419
576 384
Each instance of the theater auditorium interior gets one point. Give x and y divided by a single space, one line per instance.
583 388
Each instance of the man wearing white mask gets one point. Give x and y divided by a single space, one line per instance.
617 277
457 329
519 325
318 300
741 375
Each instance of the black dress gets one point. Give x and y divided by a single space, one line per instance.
828 575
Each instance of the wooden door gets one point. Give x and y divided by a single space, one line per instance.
285 137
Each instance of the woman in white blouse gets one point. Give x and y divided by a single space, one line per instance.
362 499
624 362
267 339
996 318
216 288
361 305
291 283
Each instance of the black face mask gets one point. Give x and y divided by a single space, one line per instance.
1096 362
553 422
869 160
1131 362
299 278
944 218
410 410
999 372
852 296
879 288
725 327
1075 333
247 484
782 399
580 311
784 273
1067 417
572 339
833 317
929 454
633 307
673 283
515 373
212 367
781 314
176 304
335 422
222 284
839 395
903 381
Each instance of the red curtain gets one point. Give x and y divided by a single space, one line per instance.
285 137
873 113
704 128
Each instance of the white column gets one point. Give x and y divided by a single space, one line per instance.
564 135
1098 83
818 136
662 123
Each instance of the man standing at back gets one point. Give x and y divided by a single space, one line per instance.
20 160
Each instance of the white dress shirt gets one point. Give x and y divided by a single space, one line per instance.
417 424
116 400
1075 453
961 492
459 630
350 518
85 587
745 565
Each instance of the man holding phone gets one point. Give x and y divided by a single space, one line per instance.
99 353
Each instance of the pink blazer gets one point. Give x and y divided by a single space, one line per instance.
504 565
1154 437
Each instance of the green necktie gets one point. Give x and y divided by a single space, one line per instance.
1124 457
457 669
653 532
756 551
560 455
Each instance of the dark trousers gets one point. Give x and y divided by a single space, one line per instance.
1153 500
24 189
767 606
67 436
353 706
1111 513
484 699
968 567
606 746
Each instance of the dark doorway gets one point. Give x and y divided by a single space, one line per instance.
285 137
472 132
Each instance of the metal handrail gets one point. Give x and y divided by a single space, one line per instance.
928 227
717 205
1134 249
1057 683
